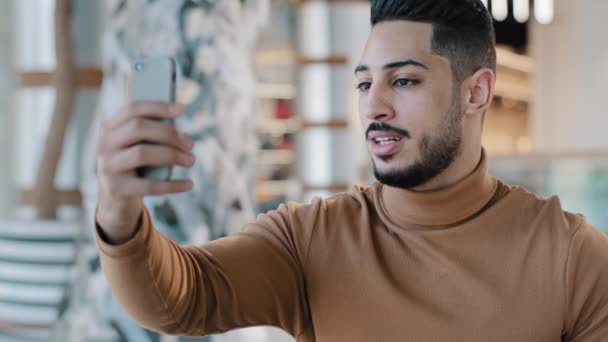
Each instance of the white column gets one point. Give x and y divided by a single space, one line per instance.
569 107
313 103
351 28
326 154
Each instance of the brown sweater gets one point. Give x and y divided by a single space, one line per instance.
480 261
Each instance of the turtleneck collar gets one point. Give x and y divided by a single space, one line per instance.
442 207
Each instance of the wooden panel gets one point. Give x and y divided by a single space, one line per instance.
331 60
88 77
69 197
329 187
329 124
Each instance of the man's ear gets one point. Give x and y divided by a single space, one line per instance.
480 91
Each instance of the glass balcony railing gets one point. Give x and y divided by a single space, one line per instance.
581 181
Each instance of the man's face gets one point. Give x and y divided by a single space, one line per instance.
408 105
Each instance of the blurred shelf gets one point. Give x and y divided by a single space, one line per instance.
278 126
514 61
276 91
513 91
275 157
331 60
514 73
275 57
267 189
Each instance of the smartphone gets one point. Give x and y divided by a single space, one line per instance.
154 79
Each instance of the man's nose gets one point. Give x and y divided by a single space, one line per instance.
379 105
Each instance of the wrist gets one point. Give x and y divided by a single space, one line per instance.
118 222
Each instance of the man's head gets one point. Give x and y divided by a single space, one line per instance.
426 79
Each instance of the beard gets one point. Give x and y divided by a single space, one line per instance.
437 154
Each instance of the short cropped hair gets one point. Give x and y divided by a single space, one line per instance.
463 30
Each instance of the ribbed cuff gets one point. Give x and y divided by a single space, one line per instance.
137 243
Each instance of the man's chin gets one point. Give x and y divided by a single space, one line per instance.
406 176
391 163
388 170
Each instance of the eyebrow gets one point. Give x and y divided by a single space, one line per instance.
393 65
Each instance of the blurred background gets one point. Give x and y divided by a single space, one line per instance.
271 103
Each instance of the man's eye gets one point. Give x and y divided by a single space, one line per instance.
363 86
405 82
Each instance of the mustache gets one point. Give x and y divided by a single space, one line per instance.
383 127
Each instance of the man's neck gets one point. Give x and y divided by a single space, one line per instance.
463 165
443 206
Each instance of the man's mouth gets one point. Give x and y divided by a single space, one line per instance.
383 144
385 140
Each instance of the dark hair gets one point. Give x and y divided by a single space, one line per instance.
463 30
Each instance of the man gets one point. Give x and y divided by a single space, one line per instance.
437 250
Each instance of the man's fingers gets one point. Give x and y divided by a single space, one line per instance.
146 109
136 138
139 187
126 161
151 131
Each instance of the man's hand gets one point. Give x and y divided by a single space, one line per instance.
121 150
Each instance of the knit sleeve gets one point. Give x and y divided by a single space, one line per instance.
251 278
587 286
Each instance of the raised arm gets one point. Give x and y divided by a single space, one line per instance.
252 278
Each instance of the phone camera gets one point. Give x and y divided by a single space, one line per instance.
139 66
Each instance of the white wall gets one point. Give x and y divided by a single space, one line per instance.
571 88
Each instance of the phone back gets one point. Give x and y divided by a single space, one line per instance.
153 79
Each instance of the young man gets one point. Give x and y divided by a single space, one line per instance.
437 250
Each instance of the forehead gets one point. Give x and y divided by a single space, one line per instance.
398 40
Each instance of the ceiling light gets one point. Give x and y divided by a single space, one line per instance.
500 9
544 11
521 10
